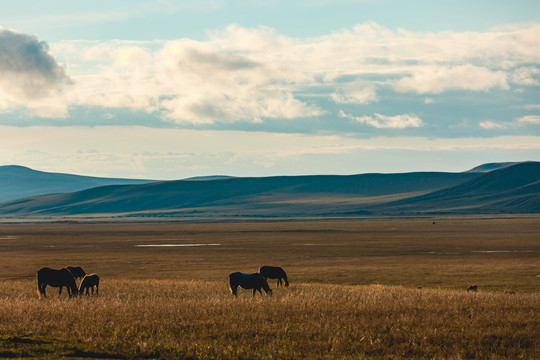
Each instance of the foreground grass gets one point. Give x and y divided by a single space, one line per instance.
196 319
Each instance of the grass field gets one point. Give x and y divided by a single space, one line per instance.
354 290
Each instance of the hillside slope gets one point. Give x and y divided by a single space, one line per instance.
19 181
513 189
268 196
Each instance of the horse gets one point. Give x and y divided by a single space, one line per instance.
56 278
274 272
472 288
248 281
89 281
76 271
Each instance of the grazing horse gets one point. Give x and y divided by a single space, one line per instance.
89 281
274 272
76 271
55 278
472 288
248 281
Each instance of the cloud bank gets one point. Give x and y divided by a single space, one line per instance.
253 75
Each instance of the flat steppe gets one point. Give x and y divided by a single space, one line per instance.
365 288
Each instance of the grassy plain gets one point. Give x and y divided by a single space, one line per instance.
354 290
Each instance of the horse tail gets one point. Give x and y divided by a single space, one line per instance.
233 283
39 291
262 272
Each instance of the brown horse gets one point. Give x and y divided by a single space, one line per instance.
89 281
248 281
274 272
76 271
55 278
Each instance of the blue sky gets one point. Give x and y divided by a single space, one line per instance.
172 89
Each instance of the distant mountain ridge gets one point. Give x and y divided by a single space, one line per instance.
510 189
492 166
19 181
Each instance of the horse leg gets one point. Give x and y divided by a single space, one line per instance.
41 290
279 282
97 289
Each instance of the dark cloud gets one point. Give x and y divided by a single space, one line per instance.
219 60
27 69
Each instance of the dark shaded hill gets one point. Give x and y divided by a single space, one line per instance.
508 190
268 196
19 181
512 189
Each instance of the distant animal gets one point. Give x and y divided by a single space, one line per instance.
248 281
76 271
55 278
88 282
274 272
472 288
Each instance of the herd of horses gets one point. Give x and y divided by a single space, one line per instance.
66 277
258 280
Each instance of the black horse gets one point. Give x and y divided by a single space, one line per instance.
56 278
274 272
248 281
76 271
88 282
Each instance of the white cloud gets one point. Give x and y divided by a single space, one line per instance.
529 119
491 125
382 121
438 79
526 75
355 94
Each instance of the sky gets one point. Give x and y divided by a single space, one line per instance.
161 89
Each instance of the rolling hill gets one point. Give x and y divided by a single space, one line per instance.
510 189
19 181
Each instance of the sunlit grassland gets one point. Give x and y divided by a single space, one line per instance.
199 319
354 290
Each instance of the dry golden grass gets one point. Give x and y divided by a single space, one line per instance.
197 319
353 290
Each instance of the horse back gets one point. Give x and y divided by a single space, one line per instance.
56 278
272 272
90 280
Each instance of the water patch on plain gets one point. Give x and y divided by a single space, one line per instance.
501 251
176 245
